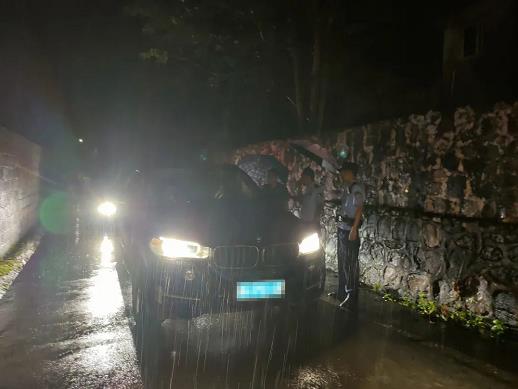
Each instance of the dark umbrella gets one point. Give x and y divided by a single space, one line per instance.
257 166
316 153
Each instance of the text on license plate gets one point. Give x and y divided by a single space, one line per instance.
267 289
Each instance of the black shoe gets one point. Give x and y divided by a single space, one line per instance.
332 294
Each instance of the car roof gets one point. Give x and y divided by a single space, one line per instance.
168 172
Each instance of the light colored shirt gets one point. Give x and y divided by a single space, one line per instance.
311 204
353 197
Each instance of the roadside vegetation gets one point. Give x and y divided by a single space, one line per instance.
435 312
6 266
9 262
15 259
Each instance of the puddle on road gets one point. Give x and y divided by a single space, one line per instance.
104 294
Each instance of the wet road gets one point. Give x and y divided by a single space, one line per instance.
65 323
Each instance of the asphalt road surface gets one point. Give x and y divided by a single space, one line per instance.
65 323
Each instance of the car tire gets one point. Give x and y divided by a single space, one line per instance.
323 276
136 297
145 309
151 349
151 308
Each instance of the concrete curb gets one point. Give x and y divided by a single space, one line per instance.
22 256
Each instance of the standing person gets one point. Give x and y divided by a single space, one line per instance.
349 221
275 191
310 198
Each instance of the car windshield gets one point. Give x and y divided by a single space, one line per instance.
188 185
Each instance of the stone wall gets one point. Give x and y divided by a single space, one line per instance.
19 187
442 205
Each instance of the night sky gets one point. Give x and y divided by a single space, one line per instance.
71 69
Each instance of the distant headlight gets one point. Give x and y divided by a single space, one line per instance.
174 249
309 244
107 208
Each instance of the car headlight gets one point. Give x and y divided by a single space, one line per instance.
174 248
310 244
107 208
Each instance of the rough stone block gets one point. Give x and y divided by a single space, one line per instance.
433 263
456 186
481 302
419 283
392 277
448 295
506 308
432 235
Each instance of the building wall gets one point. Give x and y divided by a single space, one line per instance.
442 214
19 187
488 70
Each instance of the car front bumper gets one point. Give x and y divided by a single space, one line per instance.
195 287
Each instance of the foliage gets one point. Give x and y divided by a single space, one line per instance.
389 297
157 55
430 308
425 306
6 266
252 53
9 263
497 327
407 302
377 287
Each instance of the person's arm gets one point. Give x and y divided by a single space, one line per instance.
353 235
359 197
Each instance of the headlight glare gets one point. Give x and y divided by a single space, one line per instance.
175 248
107 208
309 244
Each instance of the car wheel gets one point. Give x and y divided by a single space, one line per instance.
145 309
136 297
150 307
323 275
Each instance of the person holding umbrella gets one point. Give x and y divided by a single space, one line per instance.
349 221
275 192
310 197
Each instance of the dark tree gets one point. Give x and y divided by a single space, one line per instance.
248 58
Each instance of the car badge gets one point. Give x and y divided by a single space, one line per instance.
259 239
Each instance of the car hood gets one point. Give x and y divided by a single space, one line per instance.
224 222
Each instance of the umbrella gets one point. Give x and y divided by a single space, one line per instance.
316 153
257 166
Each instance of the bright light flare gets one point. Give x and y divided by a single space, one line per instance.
106 247
107 208
174 248
309 245
105 300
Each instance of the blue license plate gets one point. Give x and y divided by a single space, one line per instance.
255 290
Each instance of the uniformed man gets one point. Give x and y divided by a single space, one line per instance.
349 220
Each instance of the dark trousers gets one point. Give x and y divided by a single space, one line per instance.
348 266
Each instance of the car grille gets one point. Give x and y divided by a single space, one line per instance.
236 257
242 257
